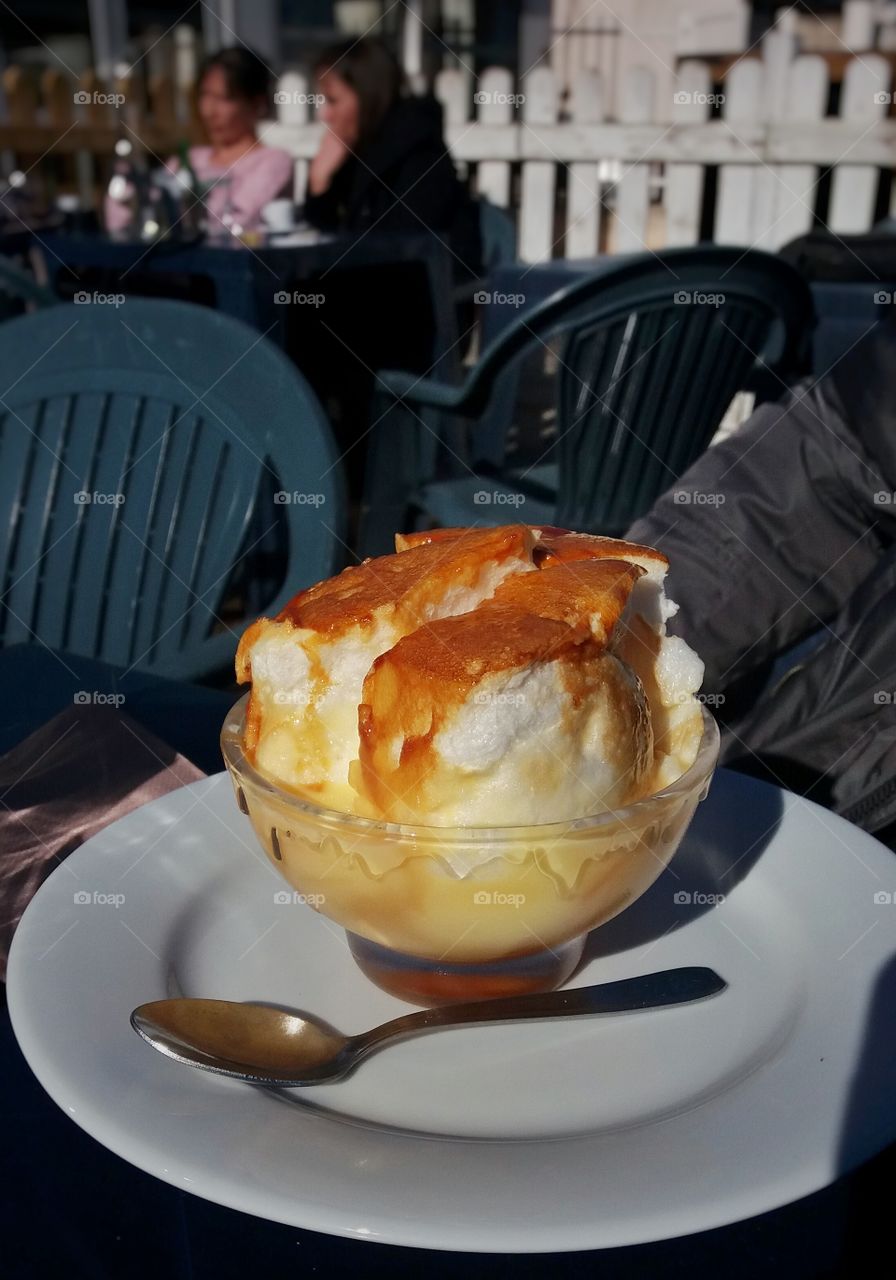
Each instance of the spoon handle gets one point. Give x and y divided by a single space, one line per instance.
649 991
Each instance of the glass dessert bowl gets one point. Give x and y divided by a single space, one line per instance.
440 914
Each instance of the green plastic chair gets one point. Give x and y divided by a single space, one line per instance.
19 285
497 233
143 448
643 380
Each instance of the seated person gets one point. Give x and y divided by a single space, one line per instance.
234 94
382 167
787 585
382 162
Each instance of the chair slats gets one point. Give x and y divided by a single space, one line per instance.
128 475
652 351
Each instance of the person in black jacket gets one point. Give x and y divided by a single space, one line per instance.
382 162
786 582
382 168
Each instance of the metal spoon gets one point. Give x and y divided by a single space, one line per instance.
270 1046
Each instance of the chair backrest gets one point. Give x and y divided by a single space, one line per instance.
497 234
135 440
650 354
19 285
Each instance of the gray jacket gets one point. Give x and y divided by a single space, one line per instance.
782 543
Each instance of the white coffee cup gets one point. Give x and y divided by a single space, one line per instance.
278 215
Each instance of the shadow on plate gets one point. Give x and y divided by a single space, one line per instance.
727 837
869 1119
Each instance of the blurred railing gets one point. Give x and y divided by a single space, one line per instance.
752 159
748 152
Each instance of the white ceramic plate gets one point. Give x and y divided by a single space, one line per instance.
575 1134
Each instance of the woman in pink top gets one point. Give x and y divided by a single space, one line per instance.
234 92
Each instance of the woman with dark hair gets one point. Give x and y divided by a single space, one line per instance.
240 173
382 161
382 166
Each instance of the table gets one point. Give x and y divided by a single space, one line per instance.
247 280
37 683
72 1207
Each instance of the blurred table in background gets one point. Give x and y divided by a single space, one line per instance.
251 283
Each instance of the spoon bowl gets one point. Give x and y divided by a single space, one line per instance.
265 1045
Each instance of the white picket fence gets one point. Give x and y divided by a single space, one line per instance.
582 182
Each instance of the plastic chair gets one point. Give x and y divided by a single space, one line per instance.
497 238
134 443
643 379
497 233
19 285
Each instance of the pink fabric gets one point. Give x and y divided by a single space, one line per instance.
261 175
77 773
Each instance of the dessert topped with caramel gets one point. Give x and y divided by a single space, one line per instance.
477 677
